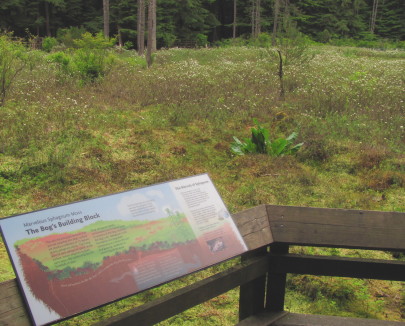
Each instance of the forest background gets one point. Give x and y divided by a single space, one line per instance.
182 21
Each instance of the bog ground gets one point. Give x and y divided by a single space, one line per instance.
64 139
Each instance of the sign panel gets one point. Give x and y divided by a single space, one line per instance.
73 258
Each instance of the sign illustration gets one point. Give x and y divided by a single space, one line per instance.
76 257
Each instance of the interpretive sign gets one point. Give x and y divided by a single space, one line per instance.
73 258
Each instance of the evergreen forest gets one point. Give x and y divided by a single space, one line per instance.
183 21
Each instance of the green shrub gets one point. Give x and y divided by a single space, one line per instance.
64 64
324 36
201 40
168 39
90 65
262 40
13 59
97 41
260 143
67 36
49 43
128 45
61 58
238 41
294 47
367 40
90 61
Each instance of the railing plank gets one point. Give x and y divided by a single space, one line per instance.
264 318
338 266
12 307
253 224
292 319
337 227
190 296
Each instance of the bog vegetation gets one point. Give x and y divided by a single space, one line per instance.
92 120
260 142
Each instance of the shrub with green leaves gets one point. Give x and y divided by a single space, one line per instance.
97 41
89 62
128 45
63 60
168 39
201 40
262 40
49 43
260 143
67 36
13 59
92 59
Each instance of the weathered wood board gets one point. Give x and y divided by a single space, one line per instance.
337 227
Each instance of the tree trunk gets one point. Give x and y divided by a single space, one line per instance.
120 44
38 19
234 20
253 17
141 27
256 19
47 19
154 48
151 35
286 15
373 16
106 18
275 23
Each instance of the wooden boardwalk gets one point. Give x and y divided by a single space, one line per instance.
290 319
268 231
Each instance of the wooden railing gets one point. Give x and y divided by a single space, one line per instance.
268 232
185 44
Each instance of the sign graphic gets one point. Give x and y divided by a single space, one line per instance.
73 258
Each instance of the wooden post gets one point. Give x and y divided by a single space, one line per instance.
276 282
252 294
